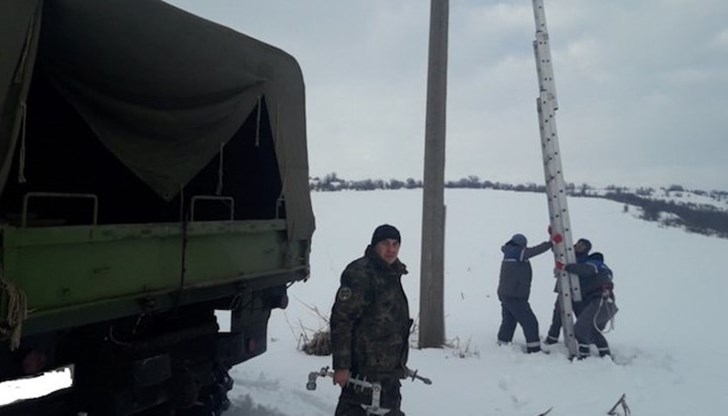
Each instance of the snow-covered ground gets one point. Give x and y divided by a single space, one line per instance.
669 345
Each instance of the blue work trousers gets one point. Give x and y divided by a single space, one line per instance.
516 311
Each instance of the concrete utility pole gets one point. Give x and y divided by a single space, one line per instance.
432 313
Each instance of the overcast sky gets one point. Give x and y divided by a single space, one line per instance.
642 86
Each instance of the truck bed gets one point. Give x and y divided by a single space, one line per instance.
75 275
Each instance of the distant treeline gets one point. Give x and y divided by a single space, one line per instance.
655 205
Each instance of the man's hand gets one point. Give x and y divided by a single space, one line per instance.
342 376
555 238
559 265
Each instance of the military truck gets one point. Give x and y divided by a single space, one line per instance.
153 171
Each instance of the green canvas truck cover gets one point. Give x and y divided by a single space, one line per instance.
162 89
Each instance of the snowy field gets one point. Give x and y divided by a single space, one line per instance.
669 345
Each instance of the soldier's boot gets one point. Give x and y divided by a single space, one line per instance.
605 352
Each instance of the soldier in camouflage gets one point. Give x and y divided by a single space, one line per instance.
370 326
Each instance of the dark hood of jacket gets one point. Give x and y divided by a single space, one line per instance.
512 251
596 257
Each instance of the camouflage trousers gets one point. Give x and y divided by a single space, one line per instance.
352 398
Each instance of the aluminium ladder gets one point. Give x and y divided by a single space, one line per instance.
568 284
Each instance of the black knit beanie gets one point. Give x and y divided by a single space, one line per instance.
384 232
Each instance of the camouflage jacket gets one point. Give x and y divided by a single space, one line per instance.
370 320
